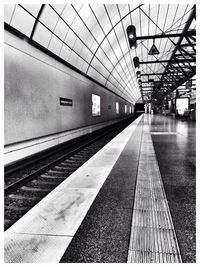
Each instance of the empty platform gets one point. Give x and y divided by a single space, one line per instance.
133 201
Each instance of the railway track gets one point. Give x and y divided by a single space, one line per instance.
26 186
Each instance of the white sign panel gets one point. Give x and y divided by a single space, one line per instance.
96 105
117 107
182 104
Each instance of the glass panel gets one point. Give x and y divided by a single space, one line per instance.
110 86
129 78
110 54
70 38
78 6
170 16
117 71
55 45
73 59
113 13
123 9
42 35
180 20
124 45
113 81
96 31
144 21
122 77
85 52
100 79
162 16
20 16
69 14
120 83
88 56
98 66
127 22
93 46
152 20
77 25
102 56
33 9
81 49
116 74
114 44
121 37
59 8
77 45
8 11
103 18
99 11
123 63
107 27
65 52
136 21
92 72
85 12
82 65
85 35
49 17
61 29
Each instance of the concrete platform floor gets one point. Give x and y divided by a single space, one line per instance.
103 233
176 155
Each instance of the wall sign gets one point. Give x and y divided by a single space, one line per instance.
182 104
96 105
117 107
65 101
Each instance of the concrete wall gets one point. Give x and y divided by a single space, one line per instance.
34 82
33 85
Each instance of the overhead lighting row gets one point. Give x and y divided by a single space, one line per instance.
132 39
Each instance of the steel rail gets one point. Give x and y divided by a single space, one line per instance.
9 189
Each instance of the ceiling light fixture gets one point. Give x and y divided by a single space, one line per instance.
131 33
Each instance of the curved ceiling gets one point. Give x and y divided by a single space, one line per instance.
93 38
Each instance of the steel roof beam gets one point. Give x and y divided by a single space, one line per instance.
178 45
150 74
153 87
169 61
156 82
36 21
147 37
187 45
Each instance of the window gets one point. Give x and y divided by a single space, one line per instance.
19 17
129 110
125 108
96 105
117 107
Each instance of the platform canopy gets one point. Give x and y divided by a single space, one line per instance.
93 39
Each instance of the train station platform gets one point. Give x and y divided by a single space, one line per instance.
133 201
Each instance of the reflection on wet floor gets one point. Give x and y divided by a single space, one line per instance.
176 155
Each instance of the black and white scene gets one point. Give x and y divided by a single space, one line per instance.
99 132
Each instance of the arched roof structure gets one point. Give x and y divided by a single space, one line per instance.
93 39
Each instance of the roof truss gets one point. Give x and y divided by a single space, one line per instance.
179 68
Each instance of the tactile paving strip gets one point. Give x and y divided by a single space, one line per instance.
44 233
153 238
